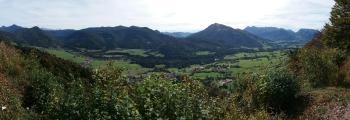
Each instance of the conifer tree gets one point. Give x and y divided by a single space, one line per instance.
336 34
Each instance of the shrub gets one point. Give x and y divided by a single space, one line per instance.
110 96
158 97
277 90
106 97
46 92
320 66
272 91
244 92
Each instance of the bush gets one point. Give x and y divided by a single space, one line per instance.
244 90
272 91
110 96
320 66
277 90
159 98
105 98
46 92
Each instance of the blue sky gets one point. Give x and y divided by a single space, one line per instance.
165 15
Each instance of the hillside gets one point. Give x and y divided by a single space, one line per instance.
11 28
282 35
118 37
227 37
29 36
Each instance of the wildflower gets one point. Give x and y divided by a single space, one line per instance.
3 107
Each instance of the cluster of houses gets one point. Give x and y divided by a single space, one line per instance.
214 68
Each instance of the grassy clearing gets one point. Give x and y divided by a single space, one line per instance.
97 63
263 59
126 65
207 75
66 55
155 54
252 65
242 63
204 53
256 54
136 52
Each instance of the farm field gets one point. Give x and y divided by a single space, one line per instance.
65 55
202 53
134 52
235 64
95 63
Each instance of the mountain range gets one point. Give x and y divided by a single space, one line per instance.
29 36
282 35
216 37
228 37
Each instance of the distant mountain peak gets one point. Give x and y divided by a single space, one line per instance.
15 26
11 28
227 37
219 27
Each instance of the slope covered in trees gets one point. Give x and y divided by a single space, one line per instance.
282 35
227 37
29 36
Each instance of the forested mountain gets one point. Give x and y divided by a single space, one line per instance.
216 37
282 35
225 36
117 37
307 34
11 28
60 34
29 36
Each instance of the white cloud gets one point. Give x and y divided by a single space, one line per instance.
165 15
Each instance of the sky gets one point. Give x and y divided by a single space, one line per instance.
165 15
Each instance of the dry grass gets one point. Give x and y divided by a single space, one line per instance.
10 59
328 103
